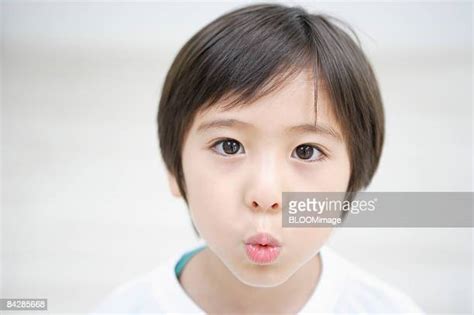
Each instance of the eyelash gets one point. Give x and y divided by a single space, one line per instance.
322 152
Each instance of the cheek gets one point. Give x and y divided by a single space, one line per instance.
335 177
330 175
212 199
306 242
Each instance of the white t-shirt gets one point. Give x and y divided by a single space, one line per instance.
343 288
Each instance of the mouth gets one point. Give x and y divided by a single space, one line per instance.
263 239
262 248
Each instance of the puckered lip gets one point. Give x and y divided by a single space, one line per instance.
263 239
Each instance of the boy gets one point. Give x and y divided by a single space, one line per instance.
264 99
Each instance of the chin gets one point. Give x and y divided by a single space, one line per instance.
263 276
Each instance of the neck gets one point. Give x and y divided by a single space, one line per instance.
206 270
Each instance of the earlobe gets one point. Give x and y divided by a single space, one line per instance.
173 185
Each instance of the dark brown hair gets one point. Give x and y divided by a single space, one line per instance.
250 52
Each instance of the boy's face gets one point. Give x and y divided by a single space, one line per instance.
234 189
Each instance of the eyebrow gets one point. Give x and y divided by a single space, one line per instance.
320 129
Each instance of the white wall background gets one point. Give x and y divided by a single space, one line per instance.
85 202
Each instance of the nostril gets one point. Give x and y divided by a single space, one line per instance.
274 206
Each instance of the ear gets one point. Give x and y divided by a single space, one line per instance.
173 185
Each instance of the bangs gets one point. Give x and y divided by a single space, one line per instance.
251 56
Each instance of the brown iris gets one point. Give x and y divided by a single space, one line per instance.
304 151
230 146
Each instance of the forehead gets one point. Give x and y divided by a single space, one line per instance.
291 104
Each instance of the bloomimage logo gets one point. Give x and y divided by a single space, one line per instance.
394 209
322 209
319 206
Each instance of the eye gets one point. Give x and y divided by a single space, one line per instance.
228 147
309 153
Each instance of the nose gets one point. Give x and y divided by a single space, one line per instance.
264 188
262 206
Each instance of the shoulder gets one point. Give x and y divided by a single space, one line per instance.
130 297
156 291
361 291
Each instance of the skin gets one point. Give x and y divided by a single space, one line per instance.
242 196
